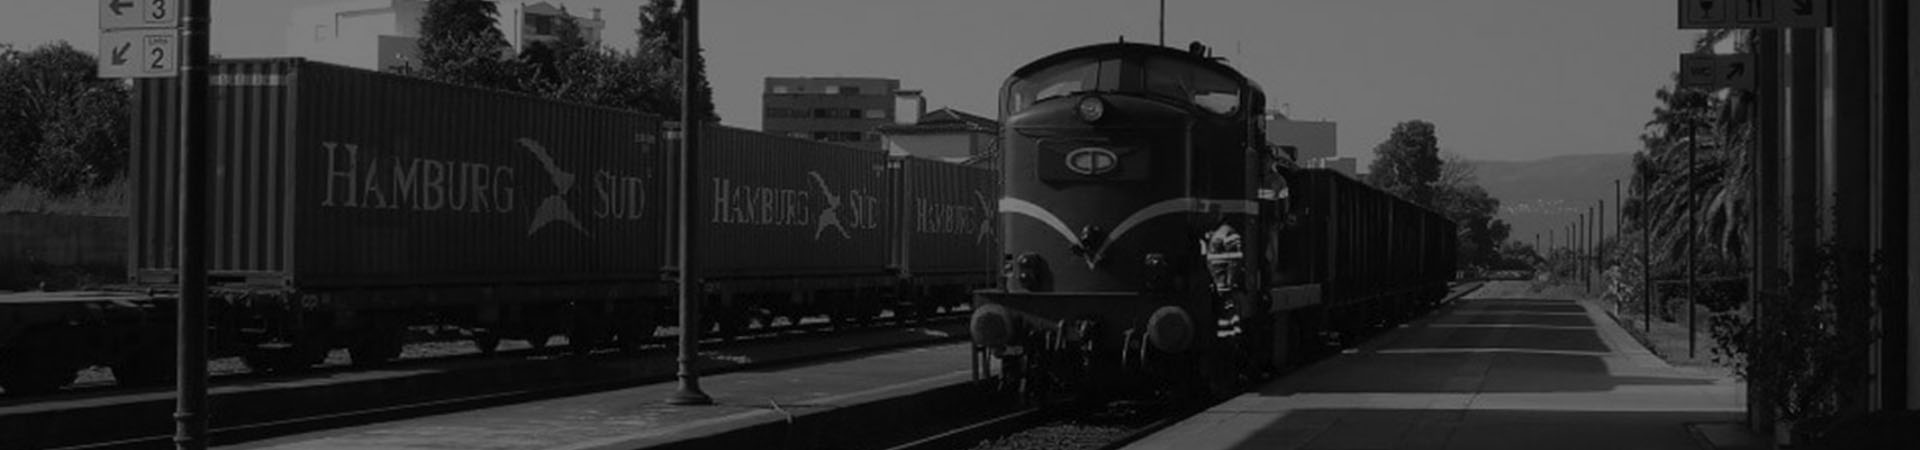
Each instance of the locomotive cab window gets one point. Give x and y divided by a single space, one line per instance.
1189 82
1066 79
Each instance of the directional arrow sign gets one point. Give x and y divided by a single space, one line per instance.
121 14
1712 72
1752 14
1802 14
140 53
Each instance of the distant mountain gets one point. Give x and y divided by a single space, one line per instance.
1549 193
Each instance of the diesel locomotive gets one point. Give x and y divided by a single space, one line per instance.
1152 235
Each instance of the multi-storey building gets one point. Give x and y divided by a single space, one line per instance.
843 110
385 34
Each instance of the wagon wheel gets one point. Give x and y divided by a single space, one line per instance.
538 340
151 365
487 341
299 355
379 345
33 367
637 331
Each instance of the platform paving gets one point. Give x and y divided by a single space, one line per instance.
761 402
1498 369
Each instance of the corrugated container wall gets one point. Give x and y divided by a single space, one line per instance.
949 217
776 206
326 176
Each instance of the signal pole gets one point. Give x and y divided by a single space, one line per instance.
690 292
190 407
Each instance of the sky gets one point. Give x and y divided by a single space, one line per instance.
1500 79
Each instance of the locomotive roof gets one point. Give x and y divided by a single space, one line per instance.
1132 48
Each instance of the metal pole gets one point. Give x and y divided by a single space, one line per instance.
690 292
1693 134
190 405
1618 228
1163 23
1646 255
1591 246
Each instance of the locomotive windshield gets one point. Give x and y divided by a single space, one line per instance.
1174 79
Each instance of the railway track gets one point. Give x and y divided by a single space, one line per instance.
98 381
484 396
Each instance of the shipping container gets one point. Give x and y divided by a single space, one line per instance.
948 217
326 177
776 207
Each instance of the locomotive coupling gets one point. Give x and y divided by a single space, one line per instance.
1170 329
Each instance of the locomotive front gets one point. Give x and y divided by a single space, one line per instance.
1116 161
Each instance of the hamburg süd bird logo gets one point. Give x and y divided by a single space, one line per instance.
830 215
988 211
554 207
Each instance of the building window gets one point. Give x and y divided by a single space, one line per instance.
850 90
779 89
541 25
876 114
798 134
831 89
873 136
819 113
853 113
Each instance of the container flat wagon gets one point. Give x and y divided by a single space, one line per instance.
348 204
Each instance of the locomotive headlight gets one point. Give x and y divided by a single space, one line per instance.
1170 329
1092 108
991 326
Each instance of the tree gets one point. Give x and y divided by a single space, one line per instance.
1408 162
62 128
660 19
660 37
1719 130
459 44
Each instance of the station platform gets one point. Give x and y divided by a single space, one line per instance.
1497 369
811 406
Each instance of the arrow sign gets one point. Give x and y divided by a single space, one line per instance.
140 53
1802 14
1751 14
1712 72
123 14
120 54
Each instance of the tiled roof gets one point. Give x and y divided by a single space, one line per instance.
945 120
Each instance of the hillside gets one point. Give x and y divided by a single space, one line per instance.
1550 193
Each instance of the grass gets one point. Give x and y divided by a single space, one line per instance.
109 200
1667 339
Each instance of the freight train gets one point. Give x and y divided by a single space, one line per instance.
349 206
1154 238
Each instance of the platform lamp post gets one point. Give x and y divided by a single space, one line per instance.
190 407
1646 255
690 290
1600 240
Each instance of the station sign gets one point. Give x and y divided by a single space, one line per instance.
1712 72
1752 14
139 38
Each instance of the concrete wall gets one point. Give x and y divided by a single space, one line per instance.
41 242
